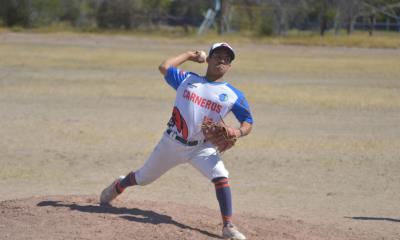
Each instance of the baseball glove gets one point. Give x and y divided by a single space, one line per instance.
219 134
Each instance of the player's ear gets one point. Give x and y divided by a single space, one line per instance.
207 59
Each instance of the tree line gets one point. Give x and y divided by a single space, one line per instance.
262 17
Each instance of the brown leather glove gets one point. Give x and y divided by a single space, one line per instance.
222 136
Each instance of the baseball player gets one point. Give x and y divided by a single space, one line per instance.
199 99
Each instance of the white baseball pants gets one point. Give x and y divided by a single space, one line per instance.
170 152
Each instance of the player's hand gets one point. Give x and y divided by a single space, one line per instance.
198 56
233 132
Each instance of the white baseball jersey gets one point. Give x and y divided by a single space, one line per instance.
197 99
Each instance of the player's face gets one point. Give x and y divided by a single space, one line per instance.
219 62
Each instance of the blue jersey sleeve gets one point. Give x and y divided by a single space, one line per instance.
241 108
175 77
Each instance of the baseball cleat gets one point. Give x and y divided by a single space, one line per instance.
110 192
230 232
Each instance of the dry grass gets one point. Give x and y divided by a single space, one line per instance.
357 39
324 78
325 97
380 39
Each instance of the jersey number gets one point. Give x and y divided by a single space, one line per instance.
180 122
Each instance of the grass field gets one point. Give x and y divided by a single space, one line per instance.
362 39
78 110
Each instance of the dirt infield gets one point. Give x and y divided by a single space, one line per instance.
78 110
81 217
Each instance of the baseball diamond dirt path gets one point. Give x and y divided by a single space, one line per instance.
81 217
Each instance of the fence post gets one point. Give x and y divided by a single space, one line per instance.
208 21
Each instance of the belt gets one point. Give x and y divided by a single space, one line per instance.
182 140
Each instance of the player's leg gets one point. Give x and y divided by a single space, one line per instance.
208 162
127 181
164 156
224 197
168 154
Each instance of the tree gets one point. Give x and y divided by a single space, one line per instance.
373 8
222 16
15 13
70 11
115 14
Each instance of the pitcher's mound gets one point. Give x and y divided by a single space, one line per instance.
81 217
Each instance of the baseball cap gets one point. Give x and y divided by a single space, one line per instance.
225 45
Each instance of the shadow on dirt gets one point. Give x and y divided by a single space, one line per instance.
133 214
375 219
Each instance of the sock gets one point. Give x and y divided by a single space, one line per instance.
224 196
129 180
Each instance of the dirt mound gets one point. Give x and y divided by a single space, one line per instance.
81 217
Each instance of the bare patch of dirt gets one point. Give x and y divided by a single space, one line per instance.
81 217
